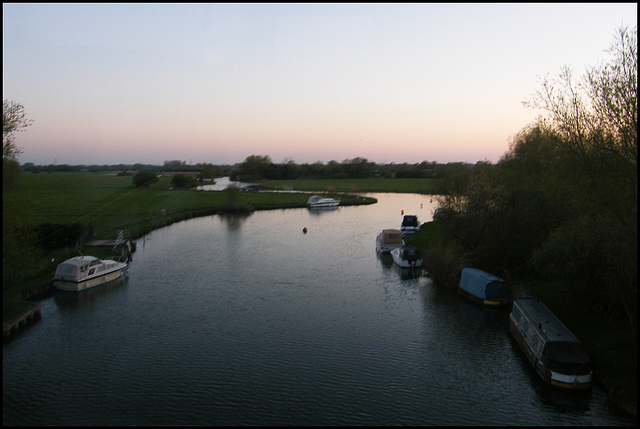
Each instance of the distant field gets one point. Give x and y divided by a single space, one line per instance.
110 202
417 186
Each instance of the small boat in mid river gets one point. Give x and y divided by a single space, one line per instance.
317 201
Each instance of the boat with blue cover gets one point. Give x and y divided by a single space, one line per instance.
482 287
555 353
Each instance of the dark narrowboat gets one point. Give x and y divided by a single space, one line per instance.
482 287
555 353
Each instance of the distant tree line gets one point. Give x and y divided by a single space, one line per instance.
261 167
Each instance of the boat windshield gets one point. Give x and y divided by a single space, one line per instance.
495 289
410 254
67 270
410 221
566 357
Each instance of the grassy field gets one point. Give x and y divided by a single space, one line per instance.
110 203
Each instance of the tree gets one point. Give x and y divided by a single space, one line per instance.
144 178
598 114
183 181
255 167
14 119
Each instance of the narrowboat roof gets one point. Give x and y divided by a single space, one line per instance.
487 277
546 320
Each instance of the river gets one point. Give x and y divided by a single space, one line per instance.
228 320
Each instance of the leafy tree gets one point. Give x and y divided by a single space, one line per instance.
562 202
183 181
255 167
596 118
144 178
14 119
10 172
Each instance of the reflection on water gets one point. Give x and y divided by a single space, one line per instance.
71 300
245 320
222 183
234 220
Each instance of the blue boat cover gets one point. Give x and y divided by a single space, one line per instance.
482 284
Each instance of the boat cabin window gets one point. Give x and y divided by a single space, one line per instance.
91 271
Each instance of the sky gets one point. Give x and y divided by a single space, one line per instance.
215 83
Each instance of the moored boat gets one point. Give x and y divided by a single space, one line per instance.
409 225
388 239
555 353
317 201
84 272
482 287
406 257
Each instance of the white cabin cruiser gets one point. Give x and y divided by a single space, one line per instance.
317 201
407 257
84 272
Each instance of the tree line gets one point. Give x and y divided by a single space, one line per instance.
261 167
562 201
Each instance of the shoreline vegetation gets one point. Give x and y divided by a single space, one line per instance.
109 203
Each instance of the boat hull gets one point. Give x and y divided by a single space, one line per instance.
483 301
482 287
404 263
317 202
73 286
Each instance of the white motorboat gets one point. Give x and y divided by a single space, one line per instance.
388 239
317 201
406 257
84 272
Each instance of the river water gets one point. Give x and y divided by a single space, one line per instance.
249 321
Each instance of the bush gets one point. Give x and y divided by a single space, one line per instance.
183 181
144 178
53 235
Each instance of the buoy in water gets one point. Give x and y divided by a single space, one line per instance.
304 230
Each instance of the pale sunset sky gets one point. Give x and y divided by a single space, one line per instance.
144 83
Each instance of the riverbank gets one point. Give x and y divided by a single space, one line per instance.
611 346
106 226
112 204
